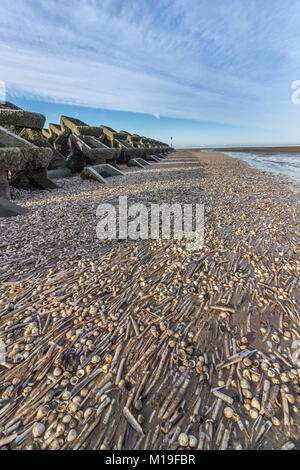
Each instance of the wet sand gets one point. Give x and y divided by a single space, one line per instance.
142 344
261 150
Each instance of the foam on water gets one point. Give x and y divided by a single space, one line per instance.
287 164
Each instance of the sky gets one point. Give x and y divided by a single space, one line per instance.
206 72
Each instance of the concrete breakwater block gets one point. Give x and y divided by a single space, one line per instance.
140 162
9 209
143 162
78 127
29 164
100 172
153 158
9 139
24 158
59 173
94 151
32 179
20 118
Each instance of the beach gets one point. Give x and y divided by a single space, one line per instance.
125 344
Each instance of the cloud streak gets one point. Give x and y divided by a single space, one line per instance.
225 61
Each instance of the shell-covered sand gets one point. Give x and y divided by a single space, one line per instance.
142 344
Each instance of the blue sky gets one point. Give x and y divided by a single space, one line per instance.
207 72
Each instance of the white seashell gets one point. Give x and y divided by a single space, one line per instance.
60 429
255 403
244 384
183 440
38 429
57 371
192 441
228 412
72 435
87 413
80 373
253 413
67 419
66 395
275 421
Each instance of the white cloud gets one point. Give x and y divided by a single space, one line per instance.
223 61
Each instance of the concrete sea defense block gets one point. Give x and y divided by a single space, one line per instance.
29 166
24 158
9 139
153 158
94 151
59 173
35 136
32 179
20 118
9 209
100 172
78 127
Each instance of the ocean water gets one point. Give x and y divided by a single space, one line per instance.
287 164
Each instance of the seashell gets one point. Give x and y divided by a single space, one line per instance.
49 433
80 373
275 421
290 398
247 374
247 362
64 382
275 338
192 441
67 419
284 378
228 412
55 444
73 407
84 392
246 393
165 428
255 378
38 429
271 373
87 413
95 359
255 403
74 380
42 411
66 395
60 429
138 404
71 435
183 440
57 372
244 384
79 415
264 366
253 413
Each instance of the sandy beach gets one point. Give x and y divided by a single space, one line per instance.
141 344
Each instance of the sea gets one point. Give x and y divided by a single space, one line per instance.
282 163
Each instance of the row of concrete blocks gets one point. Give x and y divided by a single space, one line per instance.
27 151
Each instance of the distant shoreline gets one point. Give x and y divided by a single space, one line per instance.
262 149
